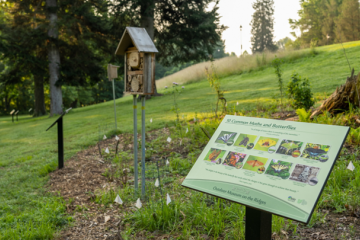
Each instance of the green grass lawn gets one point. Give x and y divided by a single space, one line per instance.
28 152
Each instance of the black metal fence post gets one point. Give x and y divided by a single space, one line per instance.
257 225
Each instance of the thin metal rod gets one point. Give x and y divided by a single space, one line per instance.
135 145
113 84
60 143
143 146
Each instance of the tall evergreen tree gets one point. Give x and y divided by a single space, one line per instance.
262 26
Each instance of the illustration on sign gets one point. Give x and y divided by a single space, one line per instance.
275 166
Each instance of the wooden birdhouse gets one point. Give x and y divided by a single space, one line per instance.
139 52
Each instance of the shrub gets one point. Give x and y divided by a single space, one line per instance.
299 90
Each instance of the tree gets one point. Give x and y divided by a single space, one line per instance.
70 50
262 26
54 58
317 21
219 51
182 31
21 45
281 44
347 24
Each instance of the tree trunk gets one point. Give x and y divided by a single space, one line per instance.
343 95
39 108
54 59
147 22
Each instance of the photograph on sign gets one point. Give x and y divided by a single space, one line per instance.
234 159
289 147
226 138
265 143
215 155
245 140
279 168
316 152
255 164
271 165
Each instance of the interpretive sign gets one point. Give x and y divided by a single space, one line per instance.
275 166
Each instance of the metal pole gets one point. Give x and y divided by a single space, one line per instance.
257 225
113 85
60 143
12 117
135 145
143 146
241 39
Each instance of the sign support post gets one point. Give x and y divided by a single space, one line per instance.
257 224
17 119
60 137
143 146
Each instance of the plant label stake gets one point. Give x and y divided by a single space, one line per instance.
16 114
112 74
60 135
139 79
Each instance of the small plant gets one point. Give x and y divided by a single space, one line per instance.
304 116
299 90
214 81
313 44
276 63
176 92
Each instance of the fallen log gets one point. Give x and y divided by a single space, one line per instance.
340 99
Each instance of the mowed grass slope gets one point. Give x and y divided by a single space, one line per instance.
28 152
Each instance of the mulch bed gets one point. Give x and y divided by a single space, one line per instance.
82 177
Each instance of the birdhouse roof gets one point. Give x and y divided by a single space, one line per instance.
137 37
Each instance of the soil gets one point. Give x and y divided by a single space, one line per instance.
81 178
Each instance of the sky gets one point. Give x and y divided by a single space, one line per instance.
239 12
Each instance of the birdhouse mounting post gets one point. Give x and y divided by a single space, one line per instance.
135 145
143 147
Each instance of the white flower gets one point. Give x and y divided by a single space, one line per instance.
166 87
183 87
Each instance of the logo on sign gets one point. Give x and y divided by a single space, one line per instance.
302 202
291 199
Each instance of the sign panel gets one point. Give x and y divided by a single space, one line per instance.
276 166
